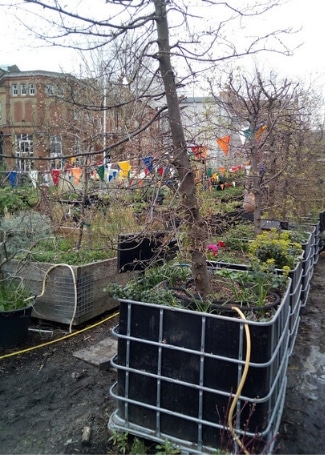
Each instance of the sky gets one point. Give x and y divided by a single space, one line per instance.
18 46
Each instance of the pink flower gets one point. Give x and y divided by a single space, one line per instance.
213 249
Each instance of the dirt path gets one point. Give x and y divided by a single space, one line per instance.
47 396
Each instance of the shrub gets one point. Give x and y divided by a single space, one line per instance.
23 230
62 250
275 248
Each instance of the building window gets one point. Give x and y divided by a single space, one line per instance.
77 147
23 89
60 91
56 152
49 89
24 152
56 144
32 89
57 161
14 90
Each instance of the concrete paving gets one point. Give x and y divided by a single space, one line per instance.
99 354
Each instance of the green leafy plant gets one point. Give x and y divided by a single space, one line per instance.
13 200
138 447
120 441
167 448
275 248
250 287
299 234
22 230
151 286
62 250
272 248
13 294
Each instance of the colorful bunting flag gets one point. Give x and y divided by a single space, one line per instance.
101 172
112 174
244 134
200 152
125 168
247 133
223 143
259 131
76 172
55 173
12 177
148 162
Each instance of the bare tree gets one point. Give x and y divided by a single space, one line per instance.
195 47
281 142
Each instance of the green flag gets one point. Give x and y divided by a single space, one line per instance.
101 172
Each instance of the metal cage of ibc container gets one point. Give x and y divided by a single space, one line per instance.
294 297
72 294
317 243
178 370
319 225
307 264
308 260
295 303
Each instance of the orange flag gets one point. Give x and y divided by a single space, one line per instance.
223 143
260 131
76 172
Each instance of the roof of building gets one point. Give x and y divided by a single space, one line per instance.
9 68
196 99
15 73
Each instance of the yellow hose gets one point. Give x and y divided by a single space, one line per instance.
12 354
241 384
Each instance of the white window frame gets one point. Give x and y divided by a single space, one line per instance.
77 148
14 90
57 161
24 149
50 89
32 89
56 152
56 144
23 89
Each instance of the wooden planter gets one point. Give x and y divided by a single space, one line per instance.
73 294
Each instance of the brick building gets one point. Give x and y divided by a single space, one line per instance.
46 117
29 103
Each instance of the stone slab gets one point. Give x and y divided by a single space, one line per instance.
99 354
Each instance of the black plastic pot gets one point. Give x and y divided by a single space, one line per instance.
14 327
136 251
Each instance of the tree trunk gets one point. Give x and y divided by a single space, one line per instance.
197 231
